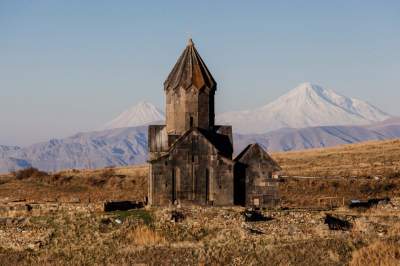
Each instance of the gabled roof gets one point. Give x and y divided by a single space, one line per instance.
190 70
256 150
220 142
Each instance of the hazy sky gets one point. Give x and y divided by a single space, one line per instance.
69 66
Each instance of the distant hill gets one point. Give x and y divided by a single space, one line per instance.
128 146
115 147
367 159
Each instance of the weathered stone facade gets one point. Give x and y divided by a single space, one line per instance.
254 185
191 157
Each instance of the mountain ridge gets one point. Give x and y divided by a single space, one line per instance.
305 106
128 146
123 141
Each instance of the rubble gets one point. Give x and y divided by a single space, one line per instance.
336 223
177 216
110 206
254 215
369 203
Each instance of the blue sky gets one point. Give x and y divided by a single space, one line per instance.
69 66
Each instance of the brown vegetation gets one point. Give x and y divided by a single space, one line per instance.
383 253
206 235
301 192
69 230
129 183
368 159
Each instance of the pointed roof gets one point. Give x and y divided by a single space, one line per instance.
256 150
190 70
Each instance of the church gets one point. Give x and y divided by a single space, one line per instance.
191 158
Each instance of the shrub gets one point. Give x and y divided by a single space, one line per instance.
97 181
30 172
107 173
394 175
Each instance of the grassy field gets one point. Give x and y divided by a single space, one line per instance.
128 183
66 225
206 236
368 159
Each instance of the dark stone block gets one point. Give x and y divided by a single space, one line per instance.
335 223
122 205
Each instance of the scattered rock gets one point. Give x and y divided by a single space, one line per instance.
177 217
335 223
110 206
255 216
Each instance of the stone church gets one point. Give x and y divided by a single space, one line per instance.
190 157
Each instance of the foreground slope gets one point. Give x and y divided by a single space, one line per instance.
79 232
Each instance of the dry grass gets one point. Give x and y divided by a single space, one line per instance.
210 235
378 253
375 158
128 183
214 236
144 236
299 192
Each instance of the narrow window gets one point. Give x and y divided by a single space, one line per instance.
207 185
191 121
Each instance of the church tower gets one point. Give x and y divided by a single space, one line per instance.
190 90
190 157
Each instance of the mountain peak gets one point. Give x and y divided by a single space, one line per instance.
308 87
144 104
143 113
306 105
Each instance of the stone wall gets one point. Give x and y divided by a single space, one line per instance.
189 108
193 172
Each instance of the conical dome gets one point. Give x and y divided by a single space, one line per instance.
190 70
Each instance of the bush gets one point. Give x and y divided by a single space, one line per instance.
30 172
97 181
394 175
107 173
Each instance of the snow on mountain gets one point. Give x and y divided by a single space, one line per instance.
307 105
143 113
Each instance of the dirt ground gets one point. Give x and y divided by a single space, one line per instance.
58 219
81 234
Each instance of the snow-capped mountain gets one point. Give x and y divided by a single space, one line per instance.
143 113
307 105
